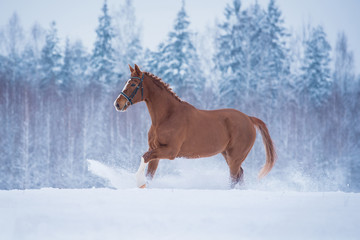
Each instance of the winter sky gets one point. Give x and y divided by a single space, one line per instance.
78 19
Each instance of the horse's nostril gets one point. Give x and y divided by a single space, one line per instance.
117 105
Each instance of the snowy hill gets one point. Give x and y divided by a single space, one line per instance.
177 214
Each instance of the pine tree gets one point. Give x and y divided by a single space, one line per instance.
48 148
176 60
80 66
236 55
344 65
102 60
127 42
66 76
275 50
275 35
50 58
315 79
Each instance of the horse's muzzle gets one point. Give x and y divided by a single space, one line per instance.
120 108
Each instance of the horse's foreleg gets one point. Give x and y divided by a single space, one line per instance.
140 174
152 168
165 152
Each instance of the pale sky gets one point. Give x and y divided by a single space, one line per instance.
78 19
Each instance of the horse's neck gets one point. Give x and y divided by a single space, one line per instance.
160 104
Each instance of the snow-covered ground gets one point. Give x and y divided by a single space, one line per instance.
165 212
177 214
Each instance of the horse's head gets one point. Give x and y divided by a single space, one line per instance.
132 92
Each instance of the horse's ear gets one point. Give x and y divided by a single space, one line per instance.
131 69
137 69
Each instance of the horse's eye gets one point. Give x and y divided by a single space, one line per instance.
133 85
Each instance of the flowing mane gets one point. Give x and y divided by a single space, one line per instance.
160 83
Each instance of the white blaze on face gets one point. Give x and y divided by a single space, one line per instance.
140 174
126 85
120 94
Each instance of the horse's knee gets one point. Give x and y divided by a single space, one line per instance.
147 156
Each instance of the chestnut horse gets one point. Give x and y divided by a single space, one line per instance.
179 129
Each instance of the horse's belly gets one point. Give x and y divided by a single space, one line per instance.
204 142
188 152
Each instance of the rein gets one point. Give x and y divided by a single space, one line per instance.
129 99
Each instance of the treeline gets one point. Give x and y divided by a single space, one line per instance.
56 101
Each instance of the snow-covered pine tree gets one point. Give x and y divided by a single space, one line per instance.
276 52
254 18
66 142
102 60
177 60
50 58
239 53
99 91
65 76
50 64
74 67
230 54
313 87
155 61
80 66
275 41
344 65
126 42
315 81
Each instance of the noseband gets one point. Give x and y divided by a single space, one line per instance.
129 99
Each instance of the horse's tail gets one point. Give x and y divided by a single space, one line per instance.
269 146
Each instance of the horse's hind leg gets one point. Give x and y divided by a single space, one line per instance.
236 175
234 162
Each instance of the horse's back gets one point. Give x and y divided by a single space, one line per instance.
237 123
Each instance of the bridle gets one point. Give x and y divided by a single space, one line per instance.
131 97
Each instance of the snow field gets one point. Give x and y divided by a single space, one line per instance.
193 202
177 214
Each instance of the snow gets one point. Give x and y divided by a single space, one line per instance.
161 212
177 214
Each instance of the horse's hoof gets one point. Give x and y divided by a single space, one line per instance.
143 186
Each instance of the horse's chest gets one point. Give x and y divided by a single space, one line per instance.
153 139
153 143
